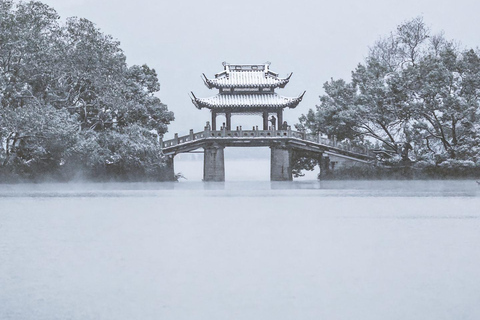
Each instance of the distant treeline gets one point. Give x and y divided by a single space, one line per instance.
398 172
70 105
415 99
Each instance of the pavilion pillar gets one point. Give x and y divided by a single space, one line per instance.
213 163
214 120
265 120
280 163
228 116
280 119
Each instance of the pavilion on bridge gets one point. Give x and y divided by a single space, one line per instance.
250 89
247 89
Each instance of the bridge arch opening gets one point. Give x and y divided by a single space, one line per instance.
247 164
241 164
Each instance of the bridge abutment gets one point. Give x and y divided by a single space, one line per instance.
213 163
281 163
324 164
169 169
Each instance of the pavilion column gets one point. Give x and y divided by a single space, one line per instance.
214 120
280 119
265 120
280 163
228 116
213 163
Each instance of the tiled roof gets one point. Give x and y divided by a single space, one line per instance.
246 101
246 79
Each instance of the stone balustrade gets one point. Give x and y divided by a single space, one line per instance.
255 133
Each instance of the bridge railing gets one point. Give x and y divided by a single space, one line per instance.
272 133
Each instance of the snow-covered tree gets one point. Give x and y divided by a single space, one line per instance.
414 90
63 84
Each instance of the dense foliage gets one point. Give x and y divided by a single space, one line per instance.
416 97
70 104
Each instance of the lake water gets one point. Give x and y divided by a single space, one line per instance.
241 250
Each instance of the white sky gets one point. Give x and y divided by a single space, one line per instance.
316 40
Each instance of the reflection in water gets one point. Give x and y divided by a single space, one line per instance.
351 188
244 250
210 186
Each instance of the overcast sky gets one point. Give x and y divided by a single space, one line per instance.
316 40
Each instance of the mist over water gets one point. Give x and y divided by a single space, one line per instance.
240 250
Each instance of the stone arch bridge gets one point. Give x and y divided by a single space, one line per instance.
281 142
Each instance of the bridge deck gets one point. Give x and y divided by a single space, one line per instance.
264 138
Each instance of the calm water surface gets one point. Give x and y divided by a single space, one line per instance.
241 250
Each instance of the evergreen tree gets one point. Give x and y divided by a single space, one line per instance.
69 100
414 91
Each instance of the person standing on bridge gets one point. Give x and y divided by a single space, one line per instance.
273 120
